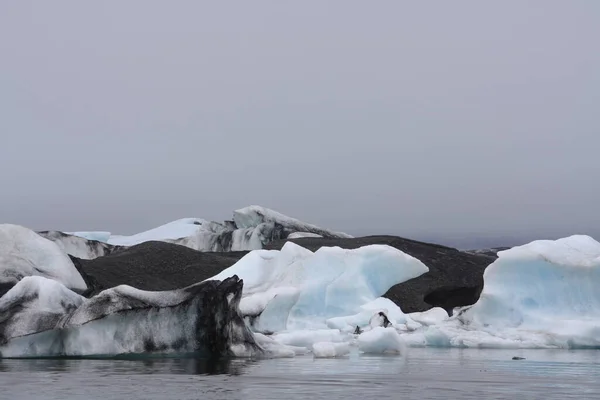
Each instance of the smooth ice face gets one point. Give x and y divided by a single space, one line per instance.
544 286
25 253
297 289
540 295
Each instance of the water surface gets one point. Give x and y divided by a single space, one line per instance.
421 374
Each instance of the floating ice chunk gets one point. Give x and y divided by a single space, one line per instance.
381 340
274 349
544 286
330 350
25 253
306 338
540 295
432 316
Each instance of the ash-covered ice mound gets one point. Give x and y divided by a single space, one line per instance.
541 295
40 317
25 253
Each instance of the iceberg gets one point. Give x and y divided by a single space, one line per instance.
25 253
178 229
330 350
40 317
294 288
291 301
78 246
540 295
302 298
381 340
35 305
252 228
253 216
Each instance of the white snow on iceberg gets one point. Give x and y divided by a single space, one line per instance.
253 216
78 246
178 229
252 228
99 236
25 253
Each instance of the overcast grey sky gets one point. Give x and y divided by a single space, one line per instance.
425 119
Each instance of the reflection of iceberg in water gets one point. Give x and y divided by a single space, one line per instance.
139 366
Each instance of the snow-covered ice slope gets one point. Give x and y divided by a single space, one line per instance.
543 294
253 216
295 288
99 236
78 246
40 317
173 230
25 253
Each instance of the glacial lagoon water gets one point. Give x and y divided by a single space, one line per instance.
421 374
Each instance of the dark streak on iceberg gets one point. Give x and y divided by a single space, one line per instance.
78 246
201 319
